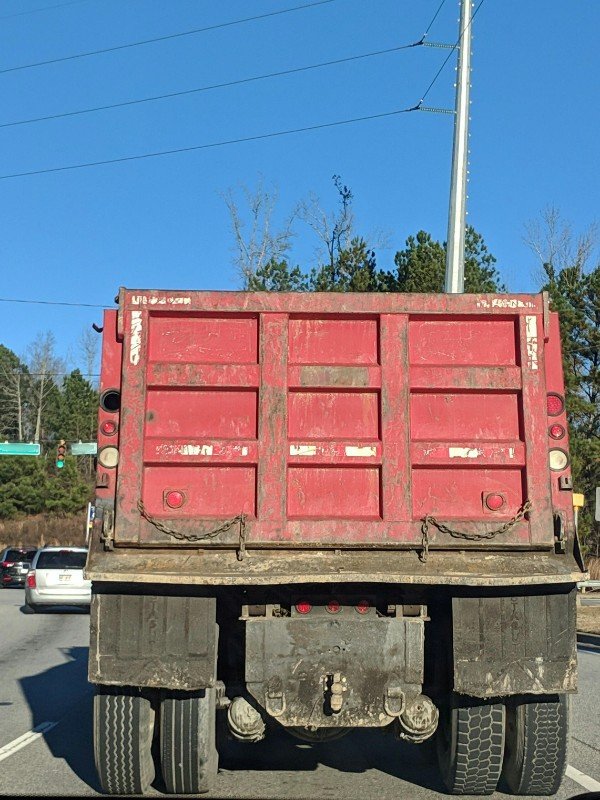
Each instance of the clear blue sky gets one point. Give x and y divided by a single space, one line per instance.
78 235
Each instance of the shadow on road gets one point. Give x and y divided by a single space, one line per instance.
62 694
54 610
359 751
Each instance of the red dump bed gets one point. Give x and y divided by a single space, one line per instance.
332 419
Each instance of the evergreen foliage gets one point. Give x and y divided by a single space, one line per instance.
38 406
576 296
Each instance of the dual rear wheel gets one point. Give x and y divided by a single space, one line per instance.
520 744
126 722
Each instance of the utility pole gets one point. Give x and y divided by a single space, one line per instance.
455 252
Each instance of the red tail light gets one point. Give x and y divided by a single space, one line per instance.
108 427
363 606
333 606
31 580
555 405
6 564
175 499
556 431
303 606
494 501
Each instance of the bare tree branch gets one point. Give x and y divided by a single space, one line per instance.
14 391
261 244
335 229
43 363
89 347
551 239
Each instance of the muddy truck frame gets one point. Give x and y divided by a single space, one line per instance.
321 512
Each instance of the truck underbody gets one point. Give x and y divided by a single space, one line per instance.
321 643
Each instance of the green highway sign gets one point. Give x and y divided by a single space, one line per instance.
19 449
84 448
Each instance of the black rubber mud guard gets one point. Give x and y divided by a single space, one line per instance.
165 642
515 644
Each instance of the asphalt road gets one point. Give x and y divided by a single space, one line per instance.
43 664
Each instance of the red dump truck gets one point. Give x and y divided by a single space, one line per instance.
322 512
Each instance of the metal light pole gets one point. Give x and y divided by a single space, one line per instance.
455 254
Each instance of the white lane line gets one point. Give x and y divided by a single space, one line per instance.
582 779
27 738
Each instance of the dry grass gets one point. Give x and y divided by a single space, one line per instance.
588 619
40 530
593 566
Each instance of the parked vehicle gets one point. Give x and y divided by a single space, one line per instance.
325 512
14 565
56 579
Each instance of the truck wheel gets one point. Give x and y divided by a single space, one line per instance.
536 745
470 745
188 750
123 731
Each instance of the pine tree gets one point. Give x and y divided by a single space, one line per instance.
576 296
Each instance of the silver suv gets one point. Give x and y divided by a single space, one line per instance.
56 579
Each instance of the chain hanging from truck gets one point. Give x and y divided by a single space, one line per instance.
197 537
473 537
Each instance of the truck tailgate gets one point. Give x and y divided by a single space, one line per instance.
331 420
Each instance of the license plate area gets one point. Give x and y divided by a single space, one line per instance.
64 578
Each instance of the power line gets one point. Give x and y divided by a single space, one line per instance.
435 16
44 8
213 86
223 143
165 38
226 84
439 72
244 139
51 303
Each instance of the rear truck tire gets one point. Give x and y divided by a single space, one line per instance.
123 732
535 757
188 750
470 745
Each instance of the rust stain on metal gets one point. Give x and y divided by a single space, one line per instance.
334 376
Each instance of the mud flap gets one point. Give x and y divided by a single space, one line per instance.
515 645
153 641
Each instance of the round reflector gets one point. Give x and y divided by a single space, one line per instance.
303 606
108 457
333 606
363 606
174 499
108 427
494 501
556 431
554 405
558 460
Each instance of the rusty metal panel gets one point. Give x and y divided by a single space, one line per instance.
135 640
515 645
288 662
330 421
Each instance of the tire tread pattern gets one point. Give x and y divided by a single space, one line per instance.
123 730
479 749
543 758
189 757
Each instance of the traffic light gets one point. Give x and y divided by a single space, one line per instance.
60 454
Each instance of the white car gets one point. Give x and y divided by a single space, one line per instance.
56 579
